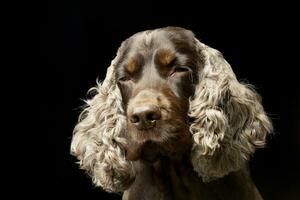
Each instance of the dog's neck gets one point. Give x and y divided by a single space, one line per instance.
169 178
165 176
164 171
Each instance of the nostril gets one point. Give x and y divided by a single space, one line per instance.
153 116
144 117
134 119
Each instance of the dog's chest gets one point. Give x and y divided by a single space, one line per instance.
166 180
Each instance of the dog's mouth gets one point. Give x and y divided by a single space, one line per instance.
147 151
150 150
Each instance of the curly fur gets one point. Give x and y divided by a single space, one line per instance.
229 123
98 137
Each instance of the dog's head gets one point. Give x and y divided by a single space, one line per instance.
156 75
166 94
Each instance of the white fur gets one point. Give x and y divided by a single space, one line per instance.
230 122
98 141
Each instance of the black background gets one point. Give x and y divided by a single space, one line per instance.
76 40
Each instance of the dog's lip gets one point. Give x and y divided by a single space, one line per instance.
133 152
158 129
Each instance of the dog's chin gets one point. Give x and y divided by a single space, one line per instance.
150 145
150 152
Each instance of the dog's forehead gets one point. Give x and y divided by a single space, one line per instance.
162 46
150 40
166 38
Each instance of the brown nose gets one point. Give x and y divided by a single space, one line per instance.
145 117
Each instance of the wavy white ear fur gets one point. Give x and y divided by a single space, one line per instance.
99 136
229 120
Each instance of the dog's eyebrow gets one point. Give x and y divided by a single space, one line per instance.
133 64
164 57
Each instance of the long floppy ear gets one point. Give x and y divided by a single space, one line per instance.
229 120
98 138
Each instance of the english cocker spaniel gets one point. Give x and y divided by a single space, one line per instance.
171 121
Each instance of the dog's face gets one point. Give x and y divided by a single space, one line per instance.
156 76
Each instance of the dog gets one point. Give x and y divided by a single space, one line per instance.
171 121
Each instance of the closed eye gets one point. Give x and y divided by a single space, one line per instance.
124 79
180 70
